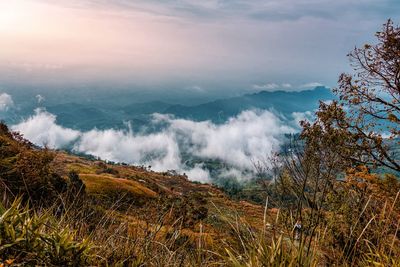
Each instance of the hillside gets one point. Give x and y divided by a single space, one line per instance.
144 190
100 198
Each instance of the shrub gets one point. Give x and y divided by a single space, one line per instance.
26 171
27 238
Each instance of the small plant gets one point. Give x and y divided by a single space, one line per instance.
30 239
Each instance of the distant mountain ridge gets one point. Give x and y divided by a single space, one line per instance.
103 115
281 101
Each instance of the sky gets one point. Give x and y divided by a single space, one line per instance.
246 45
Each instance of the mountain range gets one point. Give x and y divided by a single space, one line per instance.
111 114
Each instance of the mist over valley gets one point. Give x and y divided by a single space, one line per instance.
219 139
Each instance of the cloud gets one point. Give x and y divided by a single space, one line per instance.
160 150
286 85
40 99
311 85
6 102
41 129
268 86
302 116
273 10
198 173
272 86
252 135
214 43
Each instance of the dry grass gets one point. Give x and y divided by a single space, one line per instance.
102 184
136 217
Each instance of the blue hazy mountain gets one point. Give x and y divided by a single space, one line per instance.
136 109
280 101
85 114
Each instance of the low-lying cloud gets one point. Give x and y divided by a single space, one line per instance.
250 135
237 143
160 150
42 129
298 117
311 85
6 102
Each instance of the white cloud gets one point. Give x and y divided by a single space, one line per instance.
311 85
302 116
6 102
272 86
198 173
268 86
160 150
41 129
40 99
250 135
286 85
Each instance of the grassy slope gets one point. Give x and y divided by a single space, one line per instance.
131 214
142 192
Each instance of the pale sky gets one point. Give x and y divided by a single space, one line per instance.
246 44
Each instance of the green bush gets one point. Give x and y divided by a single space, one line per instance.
31 239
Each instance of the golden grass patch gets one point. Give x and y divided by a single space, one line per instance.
103 183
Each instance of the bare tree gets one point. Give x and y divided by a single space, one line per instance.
371 97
